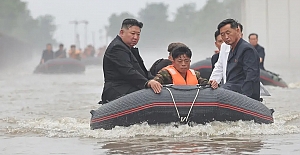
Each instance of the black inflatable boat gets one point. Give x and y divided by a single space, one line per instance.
61 65
183 104
266 77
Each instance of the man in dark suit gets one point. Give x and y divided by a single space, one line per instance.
253 39
218 43
243 62
124 69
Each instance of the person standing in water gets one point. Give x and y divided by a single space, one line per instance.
253 40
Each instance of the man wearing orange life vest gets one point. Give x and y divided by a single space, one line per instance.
179 73
74 53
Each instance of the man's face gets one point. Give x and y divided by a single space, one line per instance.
229 35
218 42
49 48
61 47
130 36
73 48
253 40
182 64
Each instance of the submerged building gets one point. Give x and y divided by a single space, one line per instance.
277 23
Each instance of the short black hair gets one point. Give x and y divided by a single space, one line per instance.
181 50
251 34
172 46
128 22
241 26
233 23
73 46
61 45
217 33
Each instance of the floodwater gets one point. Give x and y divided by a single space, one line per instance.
49 114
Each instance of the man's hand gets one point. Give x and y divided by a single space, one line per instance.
214 84
156 86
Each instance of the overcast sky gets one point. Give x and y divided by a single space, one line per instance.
96 12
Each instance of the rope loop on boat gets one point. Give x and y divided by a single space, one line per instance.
183 119
174 102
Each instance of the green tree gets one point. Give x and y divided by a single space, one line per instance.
115 22
156 32
44 31
10 10
184 21
16 21
194 27
233 8
208 19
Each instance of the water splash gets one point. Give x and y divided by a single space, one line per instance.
294 85
71 127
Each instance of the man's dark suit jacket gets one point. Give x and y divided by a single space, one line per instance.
124 70
243 71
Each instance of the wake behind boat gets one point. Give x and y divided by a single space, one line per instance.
183 104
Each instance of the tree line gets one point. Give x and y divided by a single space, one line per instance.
191 26
17 22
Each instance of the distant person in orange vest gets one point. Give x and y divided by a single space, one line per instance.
179 73
101 51
74 53
86 53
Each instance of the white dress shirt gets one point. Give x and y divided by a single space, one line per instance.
219 71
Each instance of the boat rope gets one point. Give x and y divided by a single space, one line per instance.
173 102
193 103
182 119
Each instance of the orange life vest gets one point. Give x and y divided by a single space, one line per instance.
191 78
74 54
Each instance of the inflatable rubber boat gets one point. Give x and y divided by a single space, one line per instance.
92 61
266 77
61 65
184 104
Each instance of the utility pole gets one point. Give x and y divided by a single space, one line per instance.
93 38
85 31
100 36
76 40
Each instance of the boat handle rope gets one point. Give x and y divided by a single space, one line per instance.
182 119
